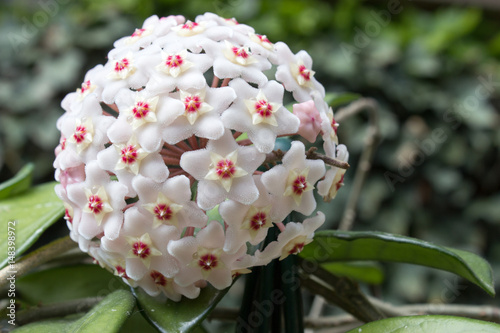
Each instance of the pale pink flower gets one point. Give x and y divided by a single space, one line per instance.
310 120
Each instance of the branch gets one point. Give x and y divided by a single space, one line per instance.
277 155
343 292
365 162
36 258
56 310
481 312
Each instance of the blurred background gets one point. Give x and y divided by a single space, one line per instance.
433 67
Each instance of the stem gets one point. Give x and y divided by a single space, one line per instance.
57 310
225 82
343 292
215 82
36 258
312 155
365 163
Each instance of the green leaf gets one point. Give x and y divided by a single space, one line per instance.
107 316
28 215
332 245
184 316
428 324
367 272
17 184
65 283
335 100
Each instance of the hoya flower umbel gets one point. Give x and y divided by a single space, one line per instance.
183 122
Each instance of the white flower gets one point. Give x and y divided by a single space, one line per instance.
203 258
224 170
182 119
258 113
292 182
334 178
291 241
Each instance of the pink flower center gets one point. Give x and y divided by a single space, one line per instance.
299 185
129 154
67 216
163 212
158 278
225 169
141 250
298 247
334 126
189 25
304 72
85 86
174 61
138 32
263 39
121 65
80 133
95 204
258 220
192 103
63 143
140 110
208 262
240 52
339 184
121 272
231 21
263 108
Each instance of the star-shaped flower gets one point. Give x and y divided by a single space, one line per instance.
291 183
224 170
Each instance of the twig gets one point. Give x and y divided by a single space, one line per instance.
56 310
365 162
277 155
482 312
36 258
343 292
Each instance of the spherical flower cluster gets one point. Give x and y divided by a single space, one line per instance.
182 120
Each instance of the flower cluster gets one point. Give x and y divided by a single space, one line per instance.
182 120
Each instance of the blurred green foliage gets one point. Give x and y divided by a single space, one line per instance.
434 71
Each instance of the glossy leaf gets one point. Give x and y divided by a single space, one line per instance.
367 272
107 316
428 324
28 215
17 184
334 245
181 317
65 283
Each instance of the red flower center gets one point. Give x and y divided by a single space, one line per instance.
158 278
174 61
140 110
138 32
298 247
129 154
95 204
225 169
240 52
299 185
208 262
192 103
189 25
163 212
141 250
120 271
80 133
258 221
263 108
121 65
304 72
